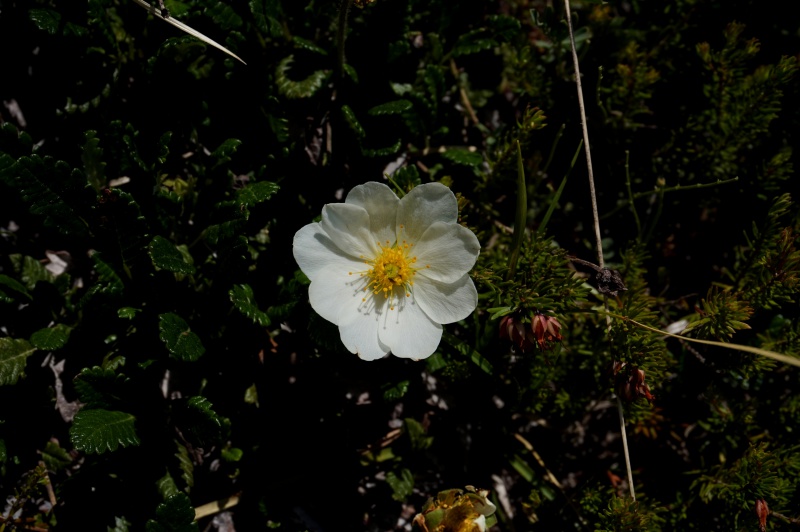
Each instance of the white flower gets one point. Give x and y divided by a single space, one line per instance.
389 272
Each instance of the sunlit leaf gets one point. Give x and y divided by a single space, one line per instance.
97 431
166 256
395 107
13 354
244 301
255 193
51 338
181 342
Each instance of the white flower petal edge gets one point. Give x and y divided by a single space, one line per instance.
381 204
360 335
314 251
424 205
409 332
446 252
446 302
334 297
348 227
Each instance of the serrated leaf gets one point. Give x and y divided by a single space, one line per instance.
12 290
255 193
176 514
402 485
128 313
92 158
54 457
465 157
51 338
108 282
352 121
243 299
166 256
166 486
469 43
233 215
97 431
304 44
13 354
198 422
407 177
45 19
31 271
224 151
185 464
45 186
266 13
100 387
223 14
395 392
181 342
504 26
298 89
416 433
395 107
382 152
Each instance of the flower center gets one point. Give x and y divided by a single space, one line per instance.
391 268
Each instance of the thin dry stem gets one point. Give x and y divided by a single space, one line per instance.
596 217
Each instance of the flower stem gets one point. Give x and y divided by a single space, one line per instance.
521 215
341 35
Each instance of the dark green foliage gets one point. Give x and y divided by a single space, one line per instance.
157 348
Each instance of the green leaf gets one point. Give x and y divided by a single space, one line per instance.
224 151
255 193
352 121
231 454
12 290
382 152
13 354
471 43
303 44
233 215
45 19
108 282
223 14
93 163
395 107
51 338
166 486
198 422
416 433
243 299
31 271
407 177
395 392
465 157
504 27
100 387
97 431
54 457
120 525
166 256
181 342
176 514
298 89
128 312
402 485
267 16
48 187
185 464
251 395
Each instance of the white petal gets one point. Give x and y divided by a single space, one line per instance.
408 331
446 302
314 251
381 204
348 227
336 295
446 252
424 205
360 336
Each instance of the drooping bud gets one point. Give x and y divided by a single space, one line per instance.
546 330
630 383
513 329
762 511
